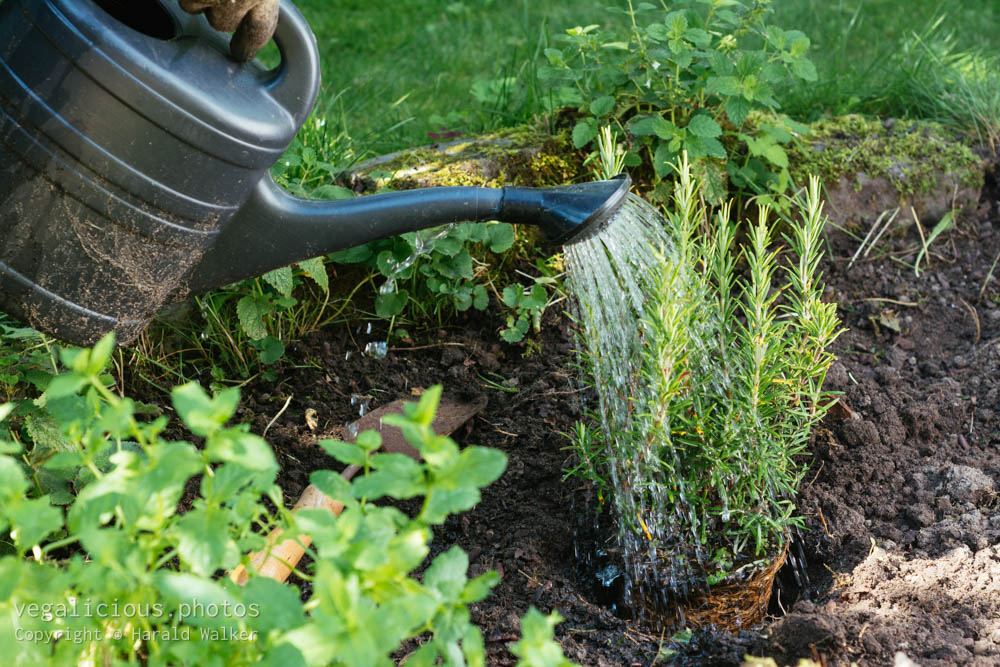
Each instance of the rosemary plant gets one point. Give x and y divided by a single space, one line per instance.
726 392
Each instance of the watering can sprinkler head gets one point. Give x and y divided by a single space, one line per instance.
567 213
135 167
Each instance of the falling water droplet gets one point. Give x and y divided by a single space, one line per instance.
377 349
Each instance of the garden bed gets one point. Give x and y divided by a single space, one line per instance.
901 505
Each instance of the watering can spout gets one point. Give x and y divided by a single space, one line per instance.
275 229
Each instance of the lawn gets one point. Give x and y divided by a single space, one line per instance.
396 71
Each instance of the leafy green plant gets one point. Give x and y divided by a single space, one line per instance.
686 80
27 358
124 569
528 305
726 393
536 647
433 271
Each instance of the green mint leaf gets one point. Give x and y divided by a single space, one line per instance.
315 268
477 589
32 520
201 414
602 106
330 191
737 110
723 85
278 605
536 648
344 452
663 158
714 148
424 410
13 483
704 126
446 574
100 354
804 69
799 46
356 255
280 279
480 298
271 349
198 596
251 310
664 129
67 384
776 155
203 541
333 485
698 37
584 132
479 466
658 32
473 647
720 63
246 449
397 476
644 127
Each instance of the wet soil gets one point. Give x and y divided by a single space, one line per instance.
901 502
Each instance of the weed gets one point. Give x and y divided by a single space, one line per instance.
686 81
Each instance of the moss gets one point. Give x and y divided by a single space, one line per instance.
521 156
912 155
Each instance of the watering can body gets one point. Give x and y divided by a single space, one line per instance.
134 167
124 150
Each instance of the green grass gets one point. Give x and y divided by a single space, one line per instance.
871 54
396 71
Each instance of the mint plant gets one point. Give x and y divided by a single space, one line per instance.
685 78
125 568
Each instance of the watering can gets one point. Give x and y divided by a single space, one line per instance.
134 167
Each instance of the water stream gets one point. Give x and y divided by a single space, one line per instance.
610 274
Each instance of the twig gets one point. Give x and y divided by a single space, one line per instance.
822 520
496 428
816 476
280 412
425 347
989 276
909 304
975 318
923 242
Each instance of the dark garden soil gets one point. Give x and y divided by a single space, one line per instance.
901 501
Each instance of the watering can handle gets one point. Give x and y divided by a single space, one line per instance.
296 80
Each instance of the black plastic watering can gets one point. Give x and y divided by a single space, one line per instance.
134 167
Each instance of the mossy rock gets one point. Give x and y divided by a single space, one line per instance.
525 156
870 165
